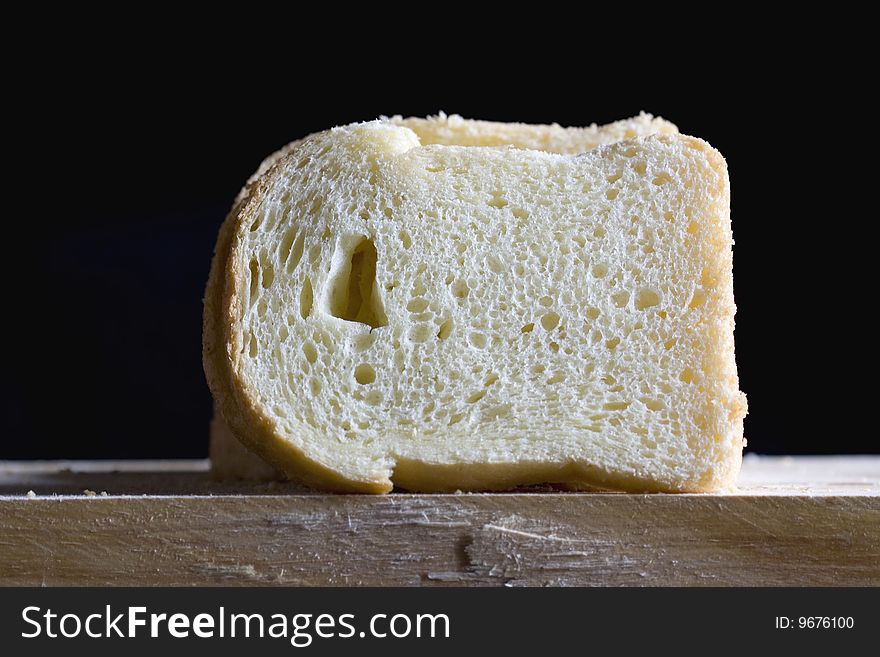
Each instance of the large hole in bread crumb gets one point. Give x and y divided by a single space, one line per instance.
460 289
354 295
550 320
364 374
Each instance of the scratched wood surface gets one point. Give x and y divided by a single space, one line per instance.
791 521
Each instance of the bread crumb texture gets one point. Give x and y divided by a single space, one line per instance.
443 304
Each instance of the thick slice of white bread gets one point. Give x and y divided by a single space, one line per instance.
229 458
384 312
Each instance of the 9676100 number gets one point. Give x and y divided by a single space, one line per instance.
815 623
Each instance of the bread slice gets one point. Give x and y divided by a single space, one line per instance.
438 317
229 458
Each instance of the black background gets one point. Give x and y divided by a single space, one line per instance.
128 151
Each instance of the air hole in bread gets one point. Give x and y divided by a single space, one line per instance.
652 404
420 333
291 249
445 329
550 320
354 295
478 340
315 254
310 352
255 279
474 397
620 298
646 298
364 374
306 298
528 328
460 289
600 270
268 275
498 201
697 299
662 179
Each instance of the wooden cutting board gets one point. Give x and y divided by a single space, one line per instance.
792 521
